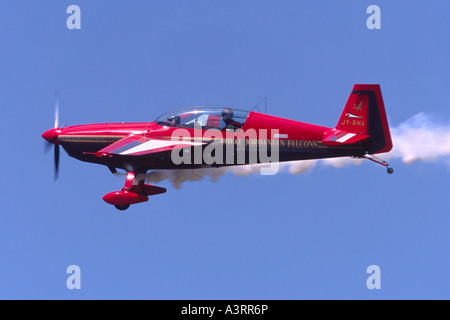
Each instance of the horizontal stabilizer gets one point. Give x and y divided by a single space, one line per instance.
339 137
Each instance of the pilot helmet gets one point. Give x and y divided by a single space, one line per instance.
227 114
174 117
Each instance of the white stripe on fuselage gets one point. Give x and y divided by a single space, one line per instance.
157 144
346 137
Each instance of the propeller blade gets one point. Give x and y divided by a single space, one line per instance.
56 161
56 112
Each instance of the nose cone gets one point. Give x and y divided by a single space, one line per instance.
51 135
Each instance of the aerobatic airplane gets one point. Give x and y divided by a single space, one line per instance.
200 137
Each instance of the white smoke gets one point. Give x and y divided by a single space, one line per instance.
299 167
417 139
178 176
421 139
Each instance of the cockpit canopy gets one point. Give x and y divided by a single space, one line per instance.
220 118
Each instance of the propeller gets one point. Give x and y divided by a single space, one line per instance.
52 138
56 153
56 161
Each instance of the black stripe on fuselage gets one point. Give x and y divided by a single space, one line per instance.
89 139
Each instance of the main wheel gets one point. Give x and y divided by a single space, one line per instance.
390 170
122 207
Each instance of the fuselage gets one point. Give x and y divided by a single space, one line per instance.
257 141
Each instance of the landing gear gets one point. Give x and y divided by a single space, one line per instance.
122 207
379 161
134 191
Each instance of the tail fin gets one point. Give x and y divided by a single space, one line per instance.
364 119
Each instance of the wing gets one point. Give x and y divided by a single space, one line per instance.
136 145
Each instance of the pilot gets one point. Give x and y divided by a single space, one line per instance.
174 120
227 117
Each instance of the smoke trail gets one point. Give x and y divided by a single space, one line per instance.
178 177
299 167
419 138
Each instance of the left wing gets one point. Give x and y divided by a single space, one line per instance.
136 145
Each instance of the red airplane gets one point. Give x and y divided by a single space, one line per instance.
201 137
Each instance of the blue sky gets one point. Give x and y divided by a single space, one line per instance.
286 236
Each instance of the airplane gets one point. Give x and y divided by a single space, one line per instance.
191 138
